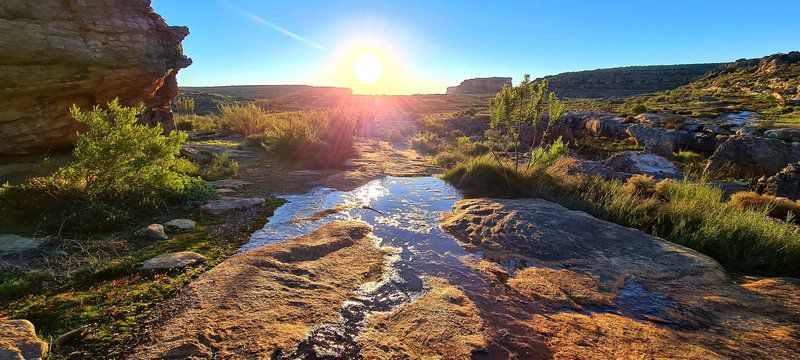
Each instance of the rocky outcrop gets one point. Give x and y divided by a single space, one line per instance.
743 156
19 341
480 85
226 204
625 81
625 293
785 183
59 53
173 260
633 162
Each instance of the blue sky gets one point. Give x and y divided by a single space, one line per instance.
427 45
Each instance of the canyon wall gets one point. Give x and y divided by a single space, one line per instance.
55 53
480 85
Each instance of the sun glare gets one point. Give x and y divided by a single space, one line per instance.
367 68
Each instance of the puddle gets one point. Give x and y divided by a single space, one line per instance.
633 297
404 214
741 118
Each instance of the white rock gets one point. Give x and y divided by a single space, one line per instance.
174 260
153 231
11 243
18 341
226 204
180 224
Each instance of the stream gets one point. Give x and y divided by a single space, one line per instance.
404 214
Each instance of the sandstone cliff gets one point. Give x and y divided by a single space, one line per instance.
57 53
480 85
625 81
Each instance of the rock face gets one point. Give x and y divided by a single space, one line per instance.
59 53
744 155
633 162
625 81
785 183
173 260
19 341
480 85
601 283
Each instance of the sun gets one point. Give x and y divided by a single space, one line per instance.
367 68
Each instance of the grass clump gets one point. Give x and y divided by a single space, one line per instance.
426 142
777 207
120 170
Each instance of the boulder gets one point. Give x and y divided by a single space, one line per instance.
605 125
19 341
11 243
173 260
228 203
488 85
633 162
607 291
743 156
59 53
788 134
180 224
153 232
786 183
729 187
654 139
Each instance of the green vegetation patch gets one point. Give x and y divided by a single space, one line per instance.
109 294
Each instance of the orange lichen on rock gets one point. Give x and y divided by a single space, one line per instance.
560 288
264 301
441 324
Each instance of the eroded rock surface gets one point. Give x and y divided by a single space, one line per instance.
59 53
615 292
786 183
262 303
225 204
19 341
633 162
173 260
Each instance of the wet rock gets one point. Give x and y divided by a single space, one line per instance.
19 341
227 204
788 134
180 224
786 183
743 156
173 260
644 163
229 183
59 53
653 139
153 232
623 282
11 243
273 296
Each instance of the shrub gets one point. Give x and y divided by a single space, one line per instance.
197 122
638 108
184 105
641 185
219 166
426 142
244 119
121 169
320 137
485 175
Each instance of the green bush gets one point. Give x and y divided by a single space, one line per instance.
184 105
638 108
244 119
219 166
426 142
120 170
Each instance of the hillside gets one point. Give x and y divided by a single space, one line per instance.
770 84
625 81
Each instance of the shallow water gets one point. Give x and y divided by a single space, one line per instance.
404 214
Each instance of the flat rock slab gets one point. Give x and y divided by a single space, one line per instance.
644 163
154 232
229 183
226 204
10 243
180 224
18 341
174 260
627 294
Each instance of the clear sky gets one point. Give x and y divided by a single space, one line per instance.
422 46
